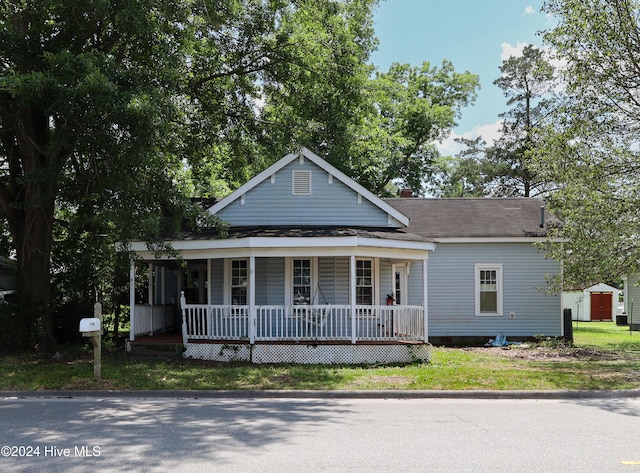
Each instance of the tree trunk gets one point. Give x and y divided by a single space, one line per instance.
27 199
33 238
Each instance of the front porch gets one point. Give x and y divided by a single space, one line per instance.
309 299
290 333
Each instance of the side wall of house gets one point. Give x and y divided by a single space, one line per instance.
333 280
414 282
216 285
632 297
330 203
270 281
451 280
7 279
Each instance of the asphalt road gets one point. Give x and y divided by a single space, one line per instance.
132 434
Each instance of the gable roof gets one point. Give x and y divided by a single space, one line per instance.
394 212
474 217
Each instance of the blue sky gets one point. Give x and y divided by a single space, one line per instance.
474 35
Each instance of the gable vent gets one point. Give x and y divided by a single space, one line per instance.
301 182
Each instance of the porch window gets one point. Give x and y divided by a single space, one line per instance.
364 282
488 283
301 281
239 281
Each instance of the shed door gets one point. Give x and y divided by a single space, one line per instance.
601 305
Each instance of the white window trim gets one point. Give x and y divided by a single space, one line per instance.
375 274
404 282
288 279
228 289
490 267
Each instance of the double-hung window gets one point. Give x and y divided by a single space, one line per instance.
239 281
301 283
488 289
364 282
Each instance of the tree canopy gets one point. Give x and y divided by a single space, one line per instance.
412 107
504 167
592 150
112 113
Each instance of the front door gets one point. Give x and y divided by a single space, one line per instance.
194 284
601 306
400 285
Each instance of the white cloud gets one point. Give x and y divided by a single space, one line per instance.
529 11
488 132
508 50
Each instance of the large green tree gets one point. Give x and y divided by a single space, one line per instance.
528 82
592 149
77 96
378 127
409 108
322 104
105 104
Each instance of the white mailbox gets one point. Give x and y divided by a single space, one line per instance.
89 325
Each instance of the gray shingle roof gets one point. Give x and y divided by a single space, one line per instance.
474 217
308 231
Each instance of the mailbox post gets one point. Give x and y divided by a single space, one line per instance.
92 327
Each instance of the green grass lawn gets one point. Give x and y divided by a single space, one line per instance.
604 356
605 335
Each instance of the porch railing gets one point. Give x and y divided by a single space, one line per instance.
217 322
150 319
309 322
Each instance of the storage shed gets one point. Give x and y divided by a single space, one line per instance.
596 303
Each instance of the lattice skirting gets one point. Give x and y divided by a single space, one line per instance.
218 351
310 354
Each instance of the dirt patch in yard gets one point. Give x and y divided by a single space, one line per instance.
544 353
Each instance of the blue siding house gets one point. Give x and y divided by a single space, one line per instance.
317 269
487 275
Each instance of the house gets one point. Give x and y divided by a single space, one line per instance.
7 274
487 275
632 300
317 269
8 279
595 303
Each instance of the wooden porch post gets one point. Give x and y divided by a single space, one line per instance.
352 296
208 281
150 294
163 284
132 301
150 284
183 310
425 300
252 299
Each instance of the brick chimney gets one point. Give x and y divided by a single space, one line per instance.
406 193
